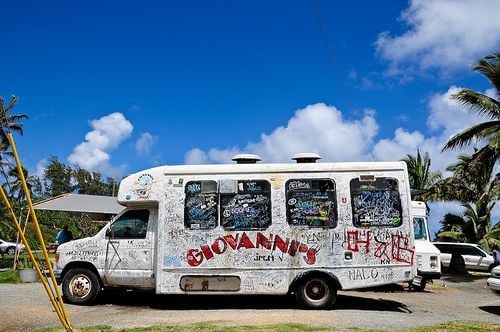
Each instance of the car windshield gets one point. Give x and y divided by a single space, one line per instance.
419 226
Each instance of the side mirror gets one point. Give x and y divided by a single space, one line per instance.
108 232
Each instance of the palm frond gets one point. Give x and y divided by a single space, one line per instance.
480 131
479 103
489 66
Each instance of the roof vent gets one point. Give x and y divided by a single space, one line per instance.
246 158
308 157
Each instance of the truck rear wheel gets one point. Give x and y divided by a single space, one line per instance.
316 293
80 286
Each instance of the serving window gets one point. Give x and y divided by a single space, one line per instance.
245 204
376 202
311 202
201 205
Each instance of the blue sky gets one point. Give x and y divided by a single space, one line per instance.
123 86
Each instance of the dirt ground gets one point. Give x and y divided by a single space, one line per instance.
26 307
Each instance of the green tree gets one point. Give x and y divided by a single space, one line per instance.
57 178
488 131
90 183
477 189
419 171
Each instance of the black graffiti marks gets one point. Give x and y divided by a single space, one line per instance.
250 210
306 208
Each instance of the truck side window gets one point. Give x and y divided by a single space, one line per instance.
419 228
376 203
200 208
249 207
311 202
133 224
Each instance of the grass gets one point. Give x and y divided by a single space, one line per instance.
9 277
211 327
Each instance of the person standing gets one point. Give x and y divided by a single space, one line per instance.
64 235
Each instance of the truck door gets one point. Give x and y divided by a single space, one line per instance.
129 251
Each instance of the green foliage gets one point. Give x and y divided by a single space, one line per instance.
9 277
420 174
489 107
57 178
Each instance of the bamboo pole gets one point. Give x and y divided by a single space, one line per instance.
67 322
33 260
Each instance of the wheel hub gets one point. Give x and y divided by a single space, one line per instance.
80 286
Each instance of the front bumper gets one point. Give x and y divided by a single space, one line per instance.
58 276
429 275
494 284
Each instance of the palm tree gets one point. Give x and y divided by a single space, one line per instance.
488 131
9 122
474 186
419 171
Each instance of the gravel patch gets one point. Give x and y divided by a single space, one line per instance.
26 307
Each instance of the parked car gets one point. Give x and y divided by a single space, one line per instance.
9 248
493 282
475 256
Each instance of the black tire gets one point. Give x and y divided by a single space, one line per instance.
11 251
316 292
80 286
420 288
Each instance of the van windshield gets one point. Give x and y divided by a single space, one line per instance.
420 230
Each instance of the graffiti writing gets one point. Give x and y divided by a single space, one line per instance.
241 240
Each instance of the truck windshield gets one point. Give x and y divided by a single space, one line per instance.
420 229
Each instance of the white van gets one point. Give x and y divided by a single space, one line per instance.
427 258
309 229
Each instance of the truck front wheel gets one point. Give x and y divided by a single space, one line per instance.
316 293
80 286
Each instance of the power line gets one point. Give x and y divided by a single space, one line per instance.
336 70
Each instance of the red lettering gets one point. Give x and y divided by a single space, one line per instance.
232 241
280 244
292 249
194 257
303 248
311 256
263 241
219 246
207 252
245 242
353 241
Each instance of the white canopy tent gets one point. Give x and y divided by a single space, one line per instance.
97 208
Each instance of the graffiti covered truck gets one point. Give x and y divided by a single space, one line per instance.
308 229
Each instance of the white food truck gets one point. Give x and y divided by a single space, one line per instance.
304 228
427 256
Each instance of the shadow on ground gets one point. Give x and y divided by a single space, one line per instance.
491 309
215 302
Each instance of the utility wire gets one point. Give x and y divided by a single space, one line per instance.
336 70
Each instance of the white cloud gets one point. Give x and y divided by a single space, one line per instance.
196 157
144 144
317 128
107 134
442 34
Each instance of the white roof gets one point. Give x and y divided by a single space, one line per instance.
89 204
